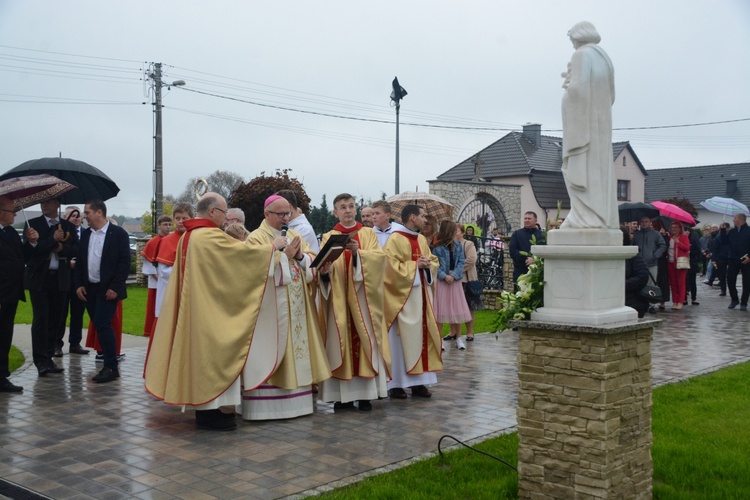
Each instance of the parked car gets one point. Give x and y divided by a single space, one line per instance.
133 244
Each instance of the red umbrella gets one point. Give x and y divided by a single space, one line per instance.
673 212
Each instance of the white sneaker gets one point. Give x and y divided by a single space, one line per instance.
460 344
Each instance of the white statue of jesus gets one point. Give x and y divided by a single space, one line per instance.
588 166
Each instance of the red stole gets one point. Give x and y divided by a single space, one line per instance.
151 250
416 252
355 344
167 252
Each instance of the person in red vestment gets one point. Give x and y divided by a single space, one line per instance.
167 252
149 253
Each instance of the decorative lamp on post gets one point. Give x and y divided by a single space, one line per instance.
397 94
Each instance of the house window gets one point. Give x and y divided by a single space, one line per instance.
624 161
623 190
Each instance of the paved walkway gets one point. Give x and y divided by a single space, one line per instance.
66 437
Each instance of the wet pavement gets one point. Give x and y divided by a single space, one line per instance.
66 437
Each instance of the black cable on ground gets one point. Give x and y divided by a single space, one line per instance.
440 451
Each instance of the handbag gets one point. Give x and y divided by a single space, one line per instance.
650 292
475 288
683 263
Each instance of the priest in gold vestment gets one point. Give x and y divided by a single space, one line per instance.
205 335
299 352
352 308
412 330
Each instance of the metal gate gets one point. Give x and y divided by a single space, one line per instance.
485 211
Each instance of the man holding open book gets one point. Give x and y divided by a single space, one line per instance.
352 306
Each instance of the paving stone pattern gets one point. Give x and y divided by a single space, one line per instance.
66 437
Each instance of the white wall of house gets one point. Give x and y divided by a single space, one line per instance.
626 169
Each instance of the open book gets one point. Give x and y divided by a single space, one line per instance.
334 247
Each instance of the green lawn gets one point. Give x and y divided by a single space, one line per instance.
483 323
133 311
701 451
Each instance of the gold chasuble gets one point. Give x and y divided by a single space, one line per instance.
298 349
410 307
358 333
205 330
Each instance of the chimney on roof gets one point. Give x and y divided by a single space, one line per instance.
533 132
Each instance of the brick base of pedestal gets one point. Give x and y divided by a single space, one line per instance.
584 411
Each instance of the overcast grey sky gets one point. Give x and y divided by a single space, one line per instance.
493 64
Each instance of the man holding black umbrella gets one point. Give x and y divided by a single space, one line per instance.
50 244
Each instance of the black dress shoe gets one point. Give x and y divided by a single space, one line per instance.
58 353
7 386
214 420
53 368
77 349
364 405
343 406
106 375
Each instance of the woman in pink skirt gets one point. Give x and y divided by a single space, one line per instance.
450 303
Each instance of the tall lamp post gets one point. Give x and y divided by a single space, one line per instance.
158 209
397 94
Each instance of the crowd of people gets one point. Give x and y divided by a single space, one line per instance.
64 268
676 255
266 340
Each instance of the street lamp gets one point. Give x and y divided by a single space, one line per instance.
397 94
158 209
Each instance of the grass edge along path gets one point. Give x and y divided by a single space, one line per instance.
701 449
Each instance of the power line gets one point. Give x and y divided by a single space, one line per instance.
69 54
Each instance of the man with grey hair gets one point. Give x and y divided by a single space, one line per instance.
211 309
234 215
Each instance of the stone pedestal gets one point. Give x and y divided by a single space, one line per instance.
584 410
585 275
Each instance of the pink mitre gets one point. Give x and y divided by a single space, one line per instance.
271 199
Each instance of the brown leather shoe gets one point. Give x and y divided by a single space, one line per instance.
421 391
397 393
77 349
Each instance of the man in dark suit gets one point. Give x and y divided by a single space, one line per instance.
11 287
50 244
101 269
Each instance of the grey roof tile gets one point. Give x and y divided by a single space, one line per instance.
699 183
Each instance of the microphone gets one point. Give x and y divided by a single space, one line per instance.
284 228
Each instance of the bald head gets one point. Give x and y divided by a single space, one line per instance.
212 206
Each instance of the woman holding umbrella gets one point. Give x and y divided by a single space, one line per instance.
679 246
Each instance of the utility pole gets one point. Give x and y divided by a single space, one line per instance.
158 159
158 207
398 93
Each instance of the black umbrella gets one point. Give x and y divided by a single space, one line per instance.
91 182
633 211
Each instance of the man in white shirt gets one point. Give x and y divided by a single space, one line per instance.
102 266
381 220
